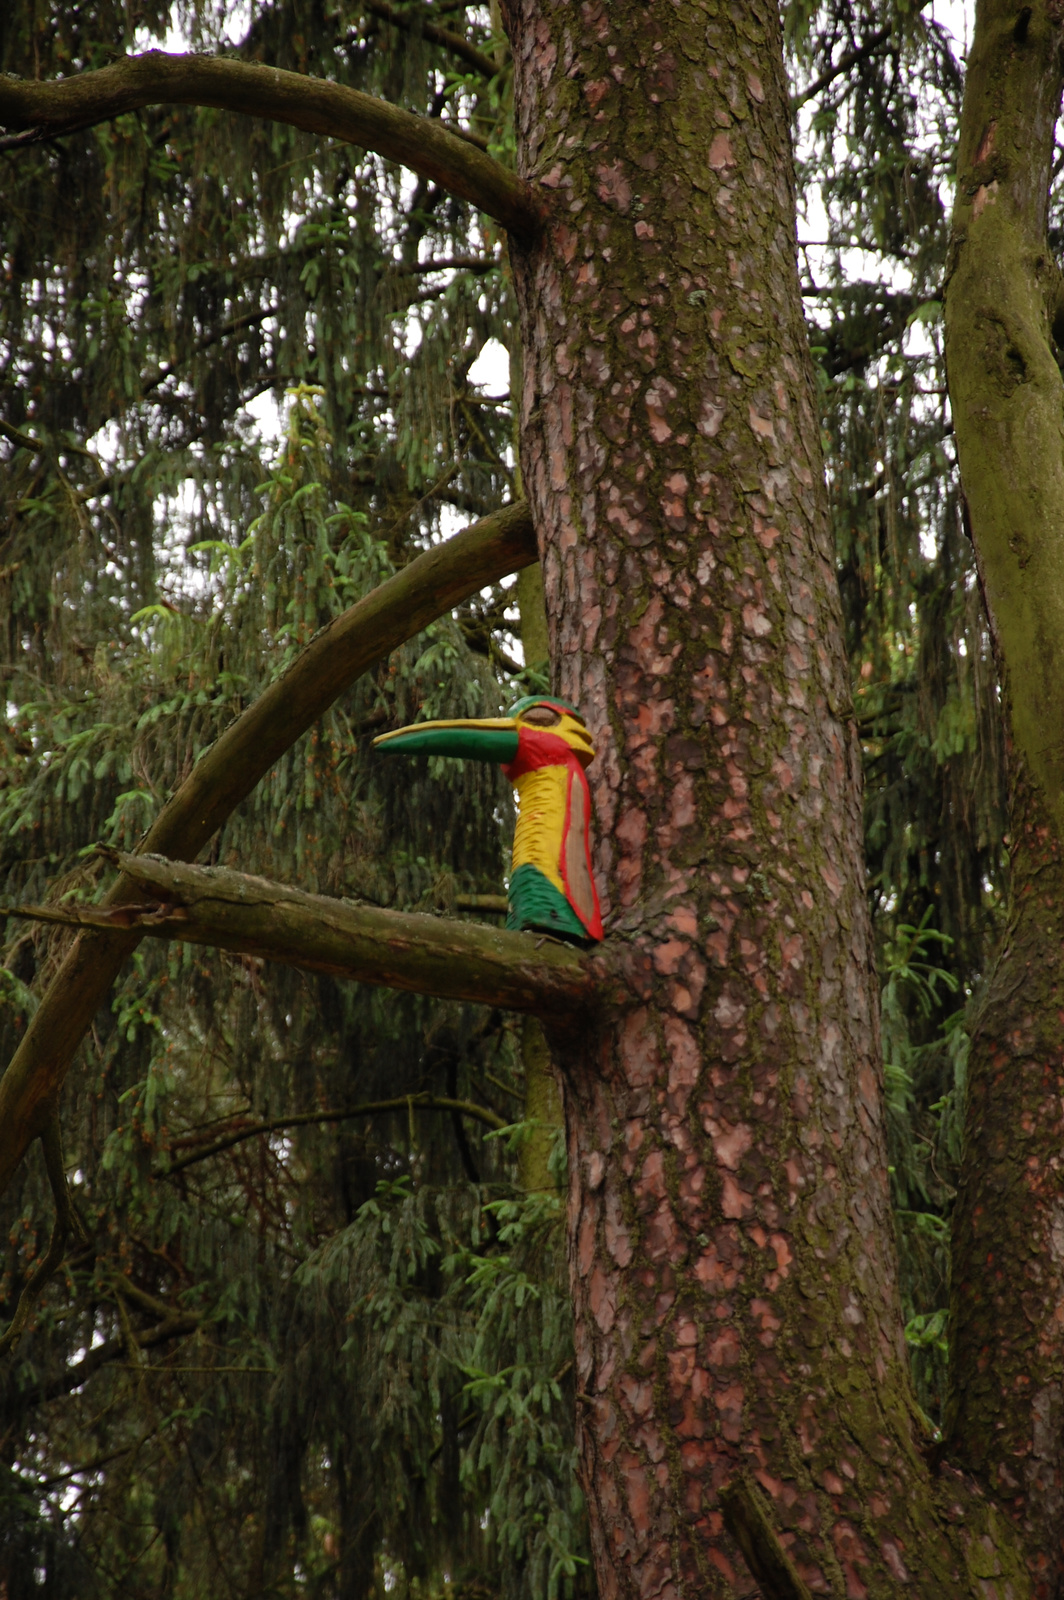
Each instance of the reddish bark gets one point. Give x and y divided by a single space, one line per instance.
731 1245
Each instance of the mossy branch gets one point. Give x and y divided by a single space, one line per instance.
43 110
426 589
1002 311
393 949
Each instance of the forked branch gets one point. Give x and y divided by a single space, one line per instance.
426 589
43 110
393 949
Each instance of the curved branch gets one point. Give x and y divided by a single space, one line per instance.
43 110
393 949
430 586
303 1119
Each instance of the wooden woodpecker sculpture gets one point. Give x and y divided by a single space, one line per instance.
543 747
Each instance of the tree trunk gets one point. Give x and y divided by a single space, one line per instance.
1005 1409
731 1243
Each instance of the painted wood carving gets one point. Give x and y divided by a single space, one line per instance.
543 747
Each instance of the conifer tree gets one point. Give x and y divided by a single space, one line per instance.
314 1315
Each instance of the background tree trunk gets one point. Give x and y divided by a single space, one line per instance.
1005 1411
731 1248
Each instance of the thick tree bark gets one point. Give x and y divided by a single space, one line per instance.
396 949
732 1255
1005 1409
45 110
430 586
730 1234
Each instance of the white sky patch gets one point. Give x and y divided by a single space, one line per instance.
268 417
174 41
491 370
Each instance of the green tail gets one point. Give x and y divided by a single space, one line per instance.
536 903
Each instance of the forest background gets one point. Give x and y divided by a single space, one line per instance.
321 1341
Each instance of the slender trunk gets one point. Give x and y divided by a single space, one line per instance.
543 1108
1005 1408
731 1242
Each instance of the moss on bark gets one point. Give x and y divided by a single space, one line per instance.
730 1237
1006 1388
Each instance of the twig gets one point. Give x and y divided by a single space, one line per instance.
424 1102
449 264
442 36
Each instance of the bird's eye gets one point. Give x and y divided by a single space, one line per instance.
541 717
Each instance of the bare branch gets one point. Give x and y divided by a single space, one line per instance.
304 1119
25 441
178 1326
393 949
227 772
850 58
443 36
43 110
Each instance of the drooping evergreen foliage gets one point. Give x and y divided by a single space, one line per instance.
877 150
330 1356
241 1426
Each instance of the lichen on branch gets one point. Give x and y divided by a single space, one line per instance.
399 950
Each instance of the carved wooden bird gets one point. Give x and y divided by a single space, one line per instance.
543 747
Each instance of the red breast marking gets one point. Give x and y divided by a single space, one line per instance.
538 748
575 863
